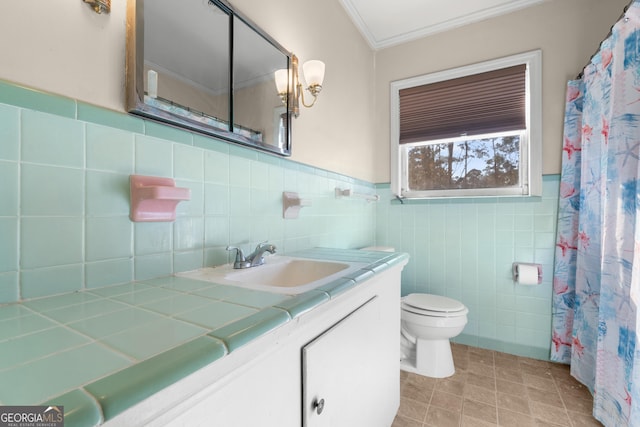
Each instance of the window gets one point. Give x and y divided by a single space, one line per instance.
470 131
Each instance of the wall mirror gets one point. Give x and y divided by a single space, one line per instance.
201 65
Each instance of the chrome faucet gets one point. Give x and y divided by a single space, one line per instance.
253 260
257 257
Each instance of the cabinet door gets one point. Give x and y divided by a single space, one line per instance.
349 372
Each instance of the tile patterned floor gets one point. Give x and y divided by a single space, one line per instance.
495 389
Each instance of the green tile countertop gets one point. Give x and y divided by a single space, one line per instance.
100 351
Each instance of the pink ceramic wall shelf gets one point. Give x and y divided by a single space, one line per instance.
154 199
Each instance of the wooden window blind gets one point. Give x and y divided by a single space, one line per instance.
494 101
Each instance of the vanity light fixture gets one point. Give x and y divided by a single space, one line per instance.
100 6
314 75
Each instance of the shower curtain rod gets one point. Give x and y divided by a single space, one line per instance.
624 11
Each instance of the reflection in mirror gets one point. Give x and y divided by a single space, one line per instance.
181 68
180 79
255 98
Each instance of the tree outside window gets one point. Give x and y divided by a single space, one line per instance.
490 162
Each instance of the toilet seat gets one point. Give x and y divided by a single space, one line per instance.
433 305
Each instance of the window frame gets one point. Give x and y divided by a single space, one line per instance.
530 144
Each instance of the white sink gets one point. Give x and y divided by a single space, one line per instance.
280 274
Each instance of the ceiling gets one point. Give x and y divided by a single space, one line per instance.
385 23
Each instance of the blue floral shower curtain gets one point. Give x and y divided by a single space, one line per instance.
597 267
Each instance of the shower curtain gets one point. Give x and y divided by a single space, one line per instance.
597 265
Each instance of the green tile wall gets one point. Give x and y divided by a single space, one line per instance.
464 249
64 191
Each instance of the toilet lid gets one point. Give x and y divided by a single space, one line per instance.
430 313
433 303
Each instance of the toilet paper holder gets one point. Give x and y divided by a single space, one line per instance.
516 272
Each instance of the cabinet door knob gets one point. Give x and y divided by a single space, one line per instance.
318 405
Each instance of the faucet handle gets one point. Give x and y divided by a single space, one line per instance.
239 254
241 261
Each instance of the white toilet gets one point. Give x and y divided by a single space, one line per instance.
428 322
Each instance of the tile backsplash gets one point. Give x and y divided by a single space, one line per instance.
64 199
64 217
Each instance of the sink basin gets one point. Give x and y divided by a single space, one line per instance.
291 273
280 274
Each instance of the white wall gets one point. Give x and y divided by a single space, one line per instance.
64 48
567 31
67 49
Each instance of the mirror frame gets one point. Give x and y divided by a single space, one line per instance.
134 81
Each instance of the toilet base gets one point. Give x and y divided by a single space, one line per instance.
430 358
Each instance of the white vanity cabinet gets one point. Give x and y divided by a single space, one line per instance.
348 376
345 350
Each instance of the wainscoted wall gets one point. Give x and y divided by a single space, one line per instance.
64 198
64 226
464 249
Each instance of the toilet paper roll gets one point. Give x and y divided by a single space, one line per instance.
527 274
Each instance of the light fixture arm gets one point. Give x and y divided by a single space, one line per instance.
288 83
315 89
298 91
